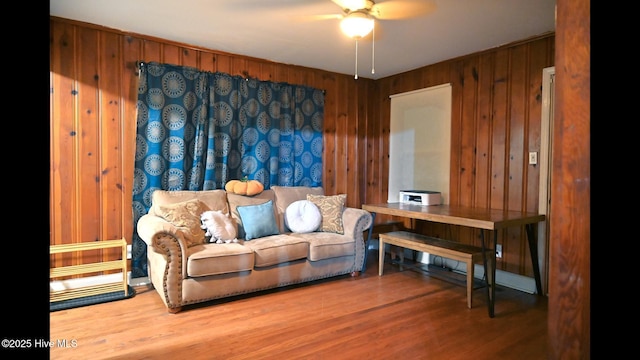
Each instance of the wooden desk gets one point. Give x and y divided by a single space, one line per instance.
483 219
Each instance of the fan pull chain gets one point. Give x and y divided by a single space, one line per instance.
373 49
356 77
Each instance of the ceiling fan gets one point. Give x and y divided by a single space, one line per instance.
385 10
358 17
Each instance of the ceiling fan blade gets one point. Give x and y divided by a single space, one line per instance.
261 4
402 9
351 4
305 18
338 2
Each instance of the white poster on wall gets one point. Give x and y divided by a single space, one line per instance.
420 141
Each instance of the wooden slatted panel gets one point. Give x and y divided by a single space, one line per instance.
88 268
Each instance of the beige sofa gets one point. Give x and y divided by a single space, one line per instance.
185 271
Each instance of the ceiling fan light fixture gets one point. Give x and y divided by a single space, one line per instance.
357 24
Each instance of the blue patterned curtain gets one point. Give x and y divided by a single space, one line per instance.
197 130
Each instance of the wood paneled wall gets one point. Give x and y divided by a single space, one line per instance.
495 123
93 123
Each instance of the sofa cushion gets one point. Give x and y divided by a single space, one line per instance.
285 195
302 216
327 245
214 259
277 249
331 208
186 216
258 220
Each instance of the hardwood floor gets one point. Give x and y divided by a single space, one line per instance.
402 314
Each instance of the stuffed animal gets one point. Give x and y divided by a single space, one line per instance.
221 227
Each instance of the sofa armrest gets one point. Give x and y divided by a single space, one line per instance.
166 240
355 221
149 225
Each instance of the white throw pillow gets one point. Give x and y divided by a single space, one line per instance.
302 216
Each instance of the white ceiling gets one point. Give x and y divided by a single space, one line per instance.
285 31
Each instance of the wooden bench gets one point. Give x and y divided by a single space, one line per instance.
469 254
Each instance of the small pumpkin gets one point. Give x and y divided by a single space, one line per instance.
254 187
230 185
244 187
240 187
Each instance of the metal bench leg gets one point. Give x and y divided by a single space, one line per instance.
470 270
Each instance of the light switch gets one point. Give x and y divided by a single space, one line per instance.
533 157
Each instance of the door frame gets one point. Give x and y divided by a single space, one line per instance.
544 197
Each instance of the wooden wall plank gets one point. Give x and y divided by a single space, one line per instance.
518 118
152 51
514 243
467 135
110 142
280 74
365 109
254 69
350 143
342 134
87 156
224 64
537 59
239 67
266 72
484 131
207 62
482 161
171 54
132 49
331 96
468 144
499 134
330 154
453 73
189 57
499 121
378 130
383 153
62 142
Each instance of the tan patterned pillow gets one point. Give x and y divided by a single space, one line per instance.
186 216
331 208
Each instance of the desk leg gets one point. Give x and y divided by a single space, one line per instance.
490 271
381 257
366 245
533 250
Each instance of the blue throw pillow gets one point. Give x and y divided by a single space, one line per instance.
258 220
